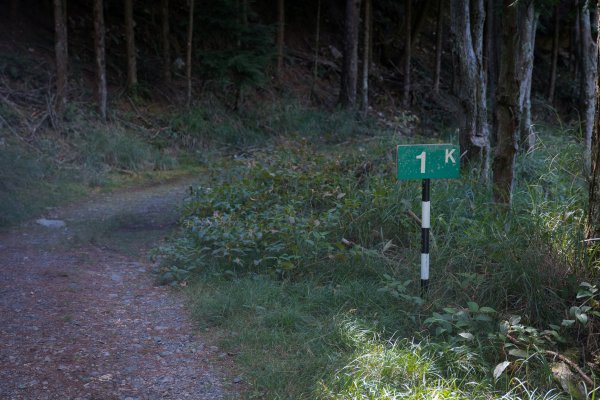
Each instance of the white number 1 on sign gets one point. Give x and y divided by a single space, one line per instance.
422 157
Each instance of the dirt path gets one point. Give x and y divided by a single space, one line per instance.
81 316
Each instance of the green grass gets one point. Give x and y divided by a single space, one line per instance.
56 169
310 317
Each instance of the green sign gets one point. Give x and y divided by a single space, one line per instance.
428 161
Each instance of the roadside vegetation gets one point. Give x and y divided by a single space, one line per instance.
303 255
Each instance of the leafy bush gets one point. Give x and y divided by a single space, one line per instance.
295 215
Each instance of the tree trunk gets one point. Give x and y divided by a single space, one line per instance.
280 35
350 60
507 108
491 63
99 46
14 10
130 41
166 44
528 25
555 40
62 55
188 63
419 22
470 85
366 61
593 226
438 46
317 44
407 51
576 44
587 79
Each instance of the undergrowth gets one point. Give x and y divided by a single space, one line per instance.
291 247
54 168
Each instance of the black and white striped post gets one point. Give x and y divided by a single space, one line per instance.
426 162
425 226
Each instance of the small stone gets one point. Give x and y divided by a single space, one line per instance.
51 223
237 379
222 355
116 277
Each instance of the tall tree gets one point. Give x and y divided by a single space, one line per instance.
587 78
61 54
166 42
407 51
513 116
130 40
490 62
527 31
280 35
317 44
438 46
593 226
467 37
419 20
507 108
188 64
100 50
366 59
554 62
350 55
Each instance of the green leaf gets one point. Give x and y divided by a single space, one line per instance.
500 368
487 310
584 293
567 322
466 335
439 330
473 306
581 317
518 353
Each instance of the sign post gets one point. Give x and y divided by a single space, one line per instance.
426 162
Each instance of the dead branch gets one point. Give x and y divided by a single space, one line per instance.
562 358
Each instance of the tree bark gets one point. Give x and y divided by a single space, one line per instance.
438 46
280 35
366 60
188 63
166 43
14 10
554 62
507 108
528 26
419 21
587 79
100 50
317 44
62 55
350 57
407 51
491 63
470 84
130 41
593 225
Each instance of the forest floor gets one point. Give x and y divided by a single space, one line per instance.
81 316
